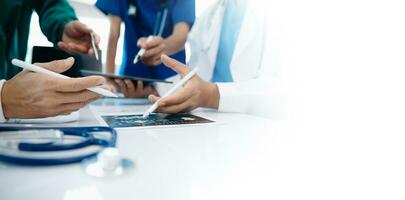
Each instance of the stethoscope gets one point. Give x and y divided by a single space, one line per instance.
161 19
22 146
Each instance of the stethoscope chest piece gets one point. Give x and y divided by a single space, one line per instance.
108 163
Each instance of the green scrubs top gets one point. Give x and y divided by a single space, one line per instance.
15 18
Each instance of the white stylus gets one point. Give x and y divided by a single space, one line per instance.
142 51
34 68
93 45
171 91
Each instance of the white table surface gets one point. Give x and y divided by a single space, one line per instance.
241 157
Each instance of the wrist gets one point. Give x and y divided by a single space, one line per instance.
4 111
212 96
110 69
169 47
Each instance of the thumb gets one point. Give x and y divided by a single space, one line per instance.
97 39
141 42
82 28
175 65
58 66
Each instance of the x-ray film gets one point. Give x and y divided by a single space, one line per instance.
155 119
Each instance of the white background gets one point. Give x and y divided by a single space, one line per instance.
344 62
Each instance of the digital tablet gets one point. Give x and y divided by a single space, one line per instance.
155 119
134 78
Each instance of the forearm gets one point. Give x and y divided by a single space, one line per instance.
212 96
53 16
111 53
2 113
176 41
115 31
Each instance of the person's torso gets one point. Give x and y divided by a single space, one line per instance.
231 25
144 18
15 17
248 51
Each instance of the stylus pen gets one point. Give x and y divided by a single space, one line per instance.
142 51
34 68
93 45
171 91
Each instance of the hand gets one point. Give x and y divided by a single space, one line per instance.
154 49
195 93
128 88
36 95
76 38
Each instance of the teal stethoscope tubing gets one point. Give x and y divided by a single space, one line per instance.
160 22
85 132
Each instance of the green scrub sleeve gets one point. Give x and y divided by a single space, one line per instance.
53 16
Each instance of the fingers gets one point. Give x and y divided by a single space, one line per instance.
139 87
178 97
65 108
154 52
185 106
128 88
152 61
74 47
141 42
182 101
81 28
175 65
130 85
78 84
58 66
77 47
109 86
77 97
156 41
153 98
76 38
145 44
72 107
149 90
63 46
122 86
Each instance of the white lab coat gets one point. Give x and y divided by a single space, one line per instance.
252 91
205 35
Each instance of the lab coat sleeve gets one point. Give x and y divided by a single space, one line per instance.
263 95
53 16
257 96
2 118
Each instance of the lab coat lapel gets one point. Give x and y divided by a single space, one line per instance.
204 39
250 44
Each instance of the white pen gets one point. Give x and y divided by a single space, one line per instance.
142 51
93 45
171 91
34 68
